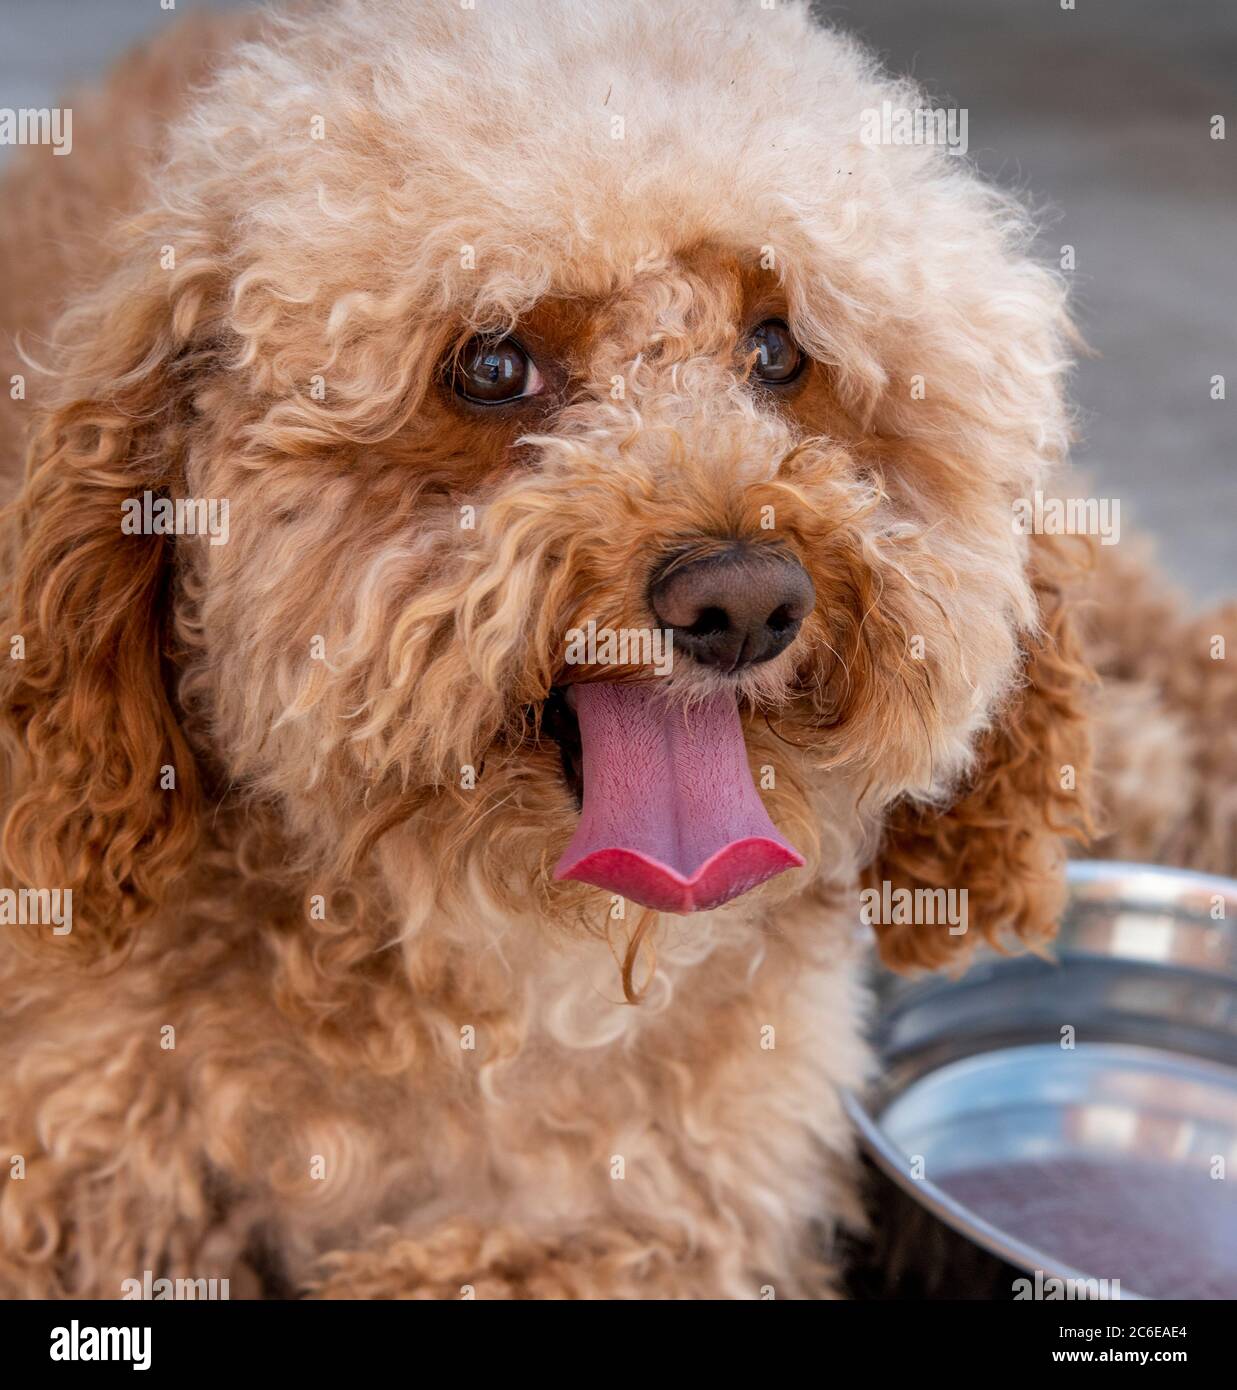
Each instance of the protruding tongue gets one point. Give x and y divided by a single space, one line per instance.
671 816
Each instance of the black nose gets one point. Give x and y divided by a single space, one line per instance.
734 609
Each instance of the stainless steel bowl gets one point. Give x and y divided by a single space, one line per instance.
1071 1119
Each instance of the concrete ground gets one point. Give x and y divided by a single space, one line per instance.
1101 114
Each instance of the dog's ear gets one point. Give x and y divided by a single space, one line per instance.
84 691
1003 839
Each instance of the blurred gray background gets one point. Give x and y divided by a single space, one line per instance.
1100 115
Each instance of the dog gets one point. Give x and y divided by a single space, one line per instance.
398 385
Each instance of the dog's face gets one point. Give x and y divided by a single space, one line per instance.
491 342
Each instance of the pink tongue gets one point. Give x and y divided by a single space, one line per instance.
671 816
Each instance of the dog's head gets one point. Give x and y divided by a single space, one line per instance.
513 344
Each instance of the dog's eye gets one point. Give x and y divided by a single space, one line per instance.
490 372
779 359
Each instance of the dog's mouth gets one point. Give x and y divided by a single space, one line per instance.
669 814
559 722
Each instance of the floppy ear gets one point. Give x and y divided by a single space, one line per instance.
87 717
1003 838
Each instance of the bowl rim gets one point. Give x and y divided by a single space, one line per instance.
1127 876
891 1160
